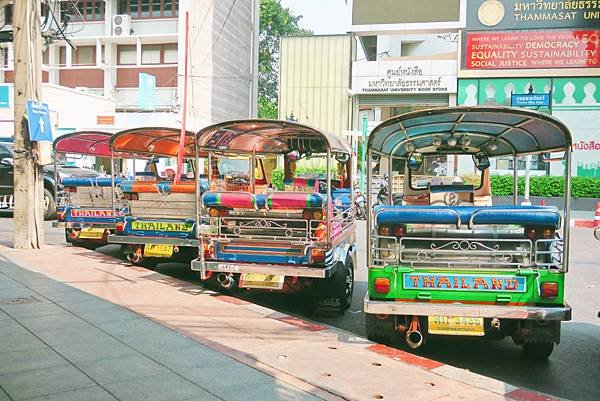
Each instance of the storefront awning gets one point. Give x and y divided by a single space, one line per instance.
494 130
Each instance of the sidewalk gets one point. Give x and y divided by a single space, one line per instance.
122 332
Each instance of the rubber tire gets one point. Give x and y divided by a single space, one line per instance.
377 331
346 298
50 207
538 350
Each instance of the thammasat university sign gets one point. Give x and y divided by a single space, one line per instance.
404 77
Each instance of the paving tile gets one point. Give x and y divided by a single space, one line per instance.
30 359
120 369
181 359
52 322
14 338
135 327
274 391
155 341
17 292
4 396
4 316
93 349
90 304
164 387
87 394
215 377
22 311
71 335
67 295
41 382
107 316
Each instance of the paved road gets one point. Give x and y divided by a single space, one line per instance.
572 372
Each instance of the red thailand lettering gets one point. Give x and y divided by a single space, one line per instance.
443 281
480 282
429 282
496 284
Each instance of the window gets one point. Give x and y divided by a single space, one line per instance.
151 54
46 57
126 54
148 8
170 53
159 53
62 55
84 55
88 10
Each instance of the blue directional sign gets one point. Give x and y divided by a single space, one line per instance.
530 100
38 119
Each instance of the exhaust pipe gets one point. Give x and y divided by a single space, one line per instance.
137 258
226 280
175 249
130 256
414 339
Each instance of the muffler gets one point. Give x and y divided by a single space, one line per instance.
226 280
130 256
414 337
137 258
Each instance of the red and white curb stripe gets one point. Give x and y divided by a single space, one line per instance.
447 371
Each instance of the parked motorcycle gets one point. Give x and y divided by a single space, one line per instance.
360 204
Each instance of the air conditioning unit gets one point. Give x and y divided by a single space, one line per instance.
121 25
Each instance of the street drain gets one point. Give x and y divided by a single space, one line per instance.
19 301
378 397
332 347
376 364
327 374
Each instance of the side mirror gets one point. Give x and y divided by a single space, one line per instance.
481 161
414 162
7 161
342 157
597 233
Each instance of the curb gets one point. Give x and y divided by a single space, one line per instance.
447 371
584 223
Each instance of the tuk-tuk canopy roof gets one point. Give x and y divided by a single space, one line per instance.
494 130
160 141
267 137
91 143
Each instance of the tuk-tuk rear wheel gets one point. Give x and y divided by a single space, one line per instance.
538 350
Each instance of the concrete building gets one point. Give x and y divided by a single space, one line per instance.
132 51
405 58
314 78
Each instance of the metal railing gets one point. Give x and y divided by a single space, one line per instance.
273 228
449 252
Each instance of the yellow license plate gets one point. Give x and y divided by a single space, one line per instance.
91 233
158 251
268 281
455 325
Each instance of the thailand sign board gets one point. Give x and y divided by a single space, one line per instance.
404 77
530 100
533 14
531 49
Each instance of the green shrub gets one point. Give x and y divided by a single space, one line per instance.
309 172
547 186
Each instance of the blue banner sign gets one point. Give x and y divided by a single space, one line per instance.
147 91
38 119
463 282
530 100
4 98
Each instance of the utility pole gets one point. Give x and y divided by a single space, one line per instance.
28 187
